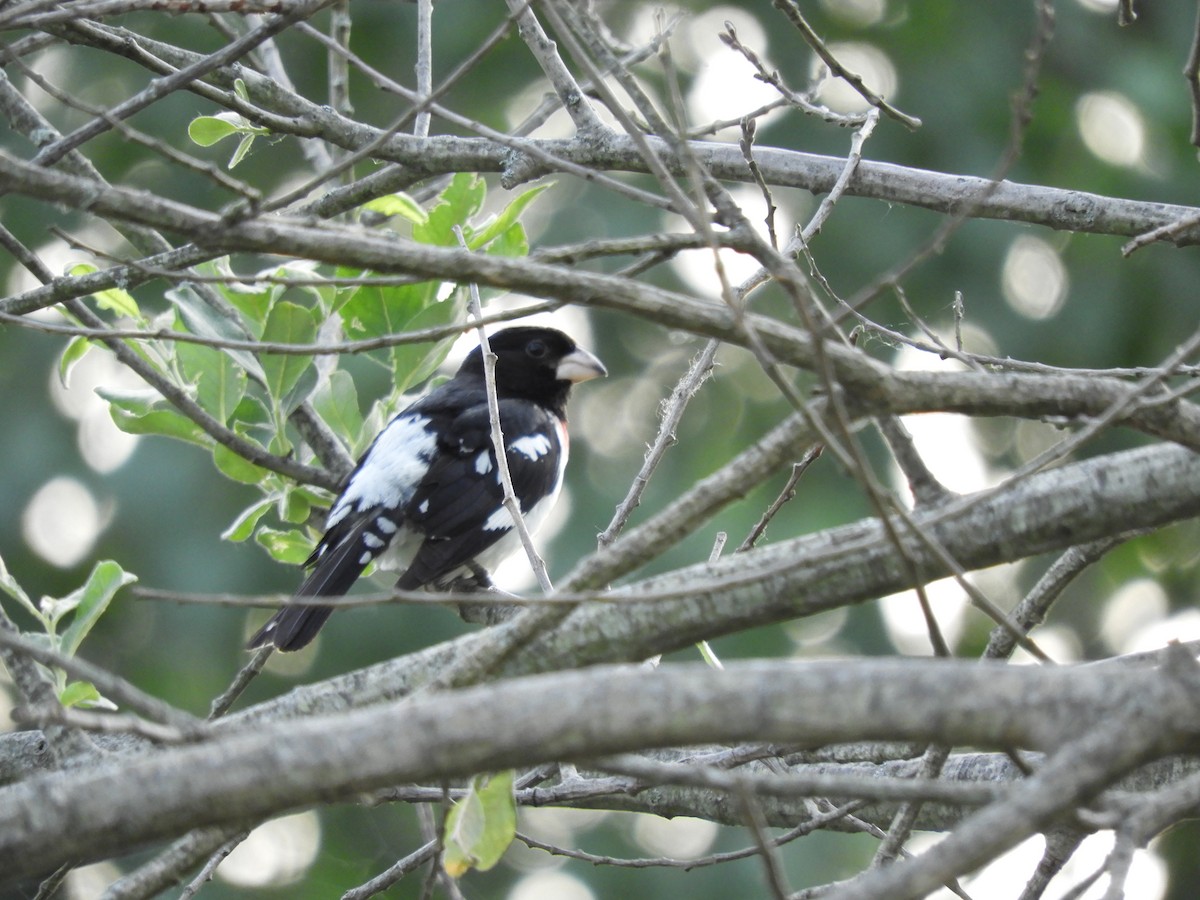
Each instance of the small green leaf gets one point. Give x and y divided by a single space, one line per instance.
243 526
114 299
481 825
461 200
507 218
79 693
398 204
91 600
220 382
295 507
512 243
237 467
287 323
138 412
414 363
336 402
239 88
9 585
465 194
243 149
292 547
202 320
71 355
208 130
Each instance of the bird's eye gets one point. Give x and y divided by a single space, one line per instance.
535 349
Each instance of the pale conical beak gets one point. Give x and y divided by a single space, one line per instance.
579 365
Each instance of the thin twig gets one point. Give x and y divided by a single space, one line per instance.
792 11
511 503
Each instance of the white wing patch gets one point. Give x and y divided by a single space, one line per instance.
392 469
532 446
500 520
483 463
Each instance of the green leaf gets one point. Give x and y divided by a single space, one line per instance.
139 412
243 149
507 218
79 693
237 467
71 355
220 382
202 320
9 585
376 310
398 204
481 825
243 526
208 130
465 194
296 507
114 299
461 200
292 547
512 243
91 600
336 402
287 323
414 363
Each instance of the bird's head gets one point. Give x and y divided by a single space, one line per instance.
536 363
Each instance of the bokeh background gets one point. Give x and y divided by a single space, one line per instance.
1112 117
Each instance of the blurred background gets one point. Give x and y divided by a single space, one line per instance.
1112 117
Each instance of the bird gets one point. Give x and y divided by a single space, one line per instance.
426 498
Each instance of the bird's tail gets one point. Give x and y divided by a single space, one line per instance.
335 568
291 628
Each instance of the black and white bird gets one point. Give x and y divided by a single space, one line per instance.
426 498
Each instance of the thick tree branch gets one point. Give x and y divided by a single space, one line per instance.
115 807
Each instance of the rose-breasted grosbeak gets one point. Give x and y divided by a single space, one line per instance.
426 499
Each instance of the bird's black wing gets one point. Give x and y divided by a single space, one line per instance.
459 506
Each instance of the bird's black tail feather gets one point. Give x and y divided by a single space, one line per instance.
291 628
336 568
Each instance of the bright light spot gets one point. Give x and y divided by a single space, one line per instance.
1131 609
515 573
1111 127
615 415
559 824
725 88
276 852
550 886
679 838
87 882
1147 876
1058 642
697 268
865 60
1035 438
947 442
552 825
1099 6
905 622
1183 626
1033 278
695 41
103 446
857 12
62 522
812 631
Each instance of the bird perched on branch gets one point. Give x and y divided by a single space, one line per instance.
426 498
